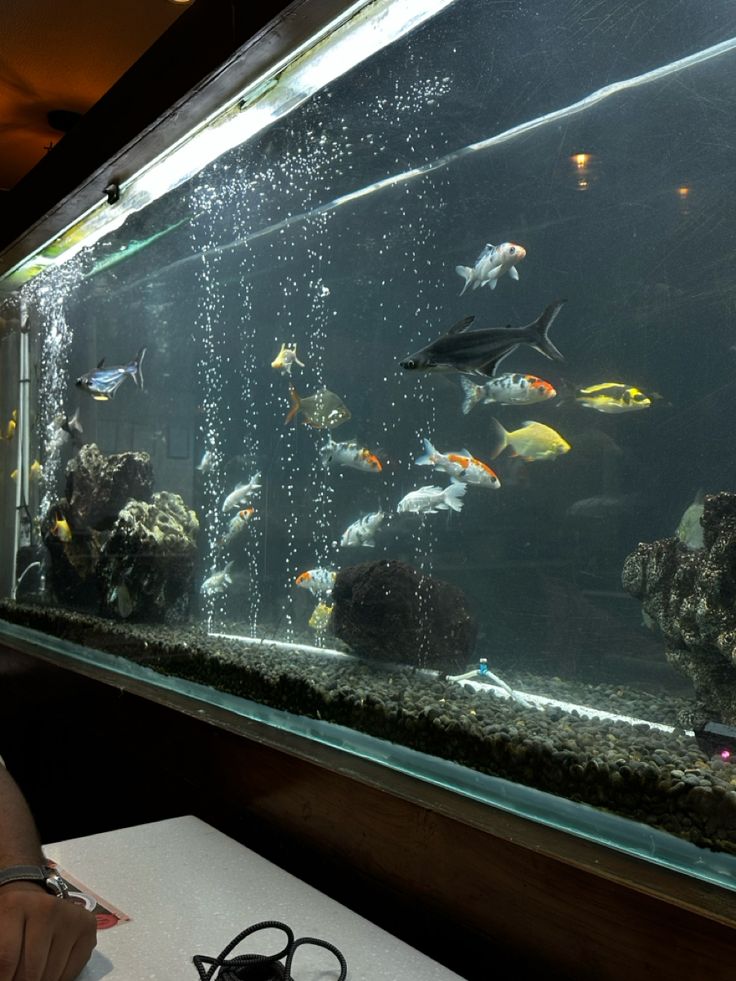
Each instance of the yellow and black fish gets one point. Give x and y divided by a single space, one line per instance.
613 397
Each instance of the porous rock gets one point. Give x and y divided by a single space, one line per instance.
691 596
146 566
99 486
389 611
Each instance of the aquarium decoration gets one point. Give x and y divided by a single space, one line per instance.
690 596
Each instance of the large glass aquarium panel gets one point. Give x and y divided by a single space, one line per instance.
409 411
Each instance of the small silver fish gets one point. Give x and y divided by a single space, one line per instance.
218 582
240 496
690 528
323 410
207 462
430 500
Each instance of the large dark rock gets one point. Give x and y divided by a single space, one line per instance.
99 486
691 596
389 611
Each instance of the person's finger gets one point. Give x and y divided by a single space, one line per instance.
79 955
11 939
36 944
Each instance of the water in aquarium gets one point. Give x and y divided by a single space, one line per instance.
420 403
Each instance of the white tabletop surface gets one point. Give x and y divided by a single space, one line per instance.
190 889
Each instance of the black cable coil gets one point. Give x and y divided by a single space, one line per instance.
261 967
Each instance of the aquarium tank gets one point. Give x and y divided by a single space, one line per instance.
394 406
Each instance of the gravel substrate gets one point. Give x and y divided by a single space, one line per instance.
660 778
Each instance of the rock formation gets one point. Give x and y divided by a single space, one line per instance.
389 611
131 553
691 596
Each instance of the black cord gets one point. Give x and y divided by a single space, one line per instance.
261 967
317 943
246 967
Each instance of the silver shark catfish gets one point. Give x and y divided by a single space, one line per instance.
102 383
479 352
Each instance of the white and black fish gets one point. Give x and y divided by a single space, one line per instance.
363 531
510 388
493 262
481 351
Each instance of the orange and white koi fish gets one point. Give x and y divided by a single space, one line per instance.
507 389
318 581
237 525
334 454
463 466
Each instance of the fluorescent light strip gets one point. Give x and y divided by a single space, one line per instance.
360 32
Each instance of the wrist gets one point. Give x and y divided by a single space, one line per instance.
38 875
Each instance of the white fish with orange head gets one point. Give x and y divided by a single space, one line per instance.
510 388
462 465
350 454
318 581
493 262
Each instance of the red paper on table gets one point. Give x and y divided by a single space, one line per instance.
106 914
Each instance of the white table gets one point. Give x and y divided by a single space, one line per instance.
190 889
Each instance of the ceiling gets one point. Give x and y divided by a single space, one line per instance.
56 55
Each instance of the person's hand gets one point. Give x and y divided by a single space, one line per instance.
42 938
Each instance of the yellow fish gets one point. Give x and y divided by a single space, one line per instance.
11 427
61 529
612 397
532 441
286 359
320 617
35 473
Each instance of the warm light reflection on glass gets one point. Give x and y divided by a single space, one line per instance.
583 166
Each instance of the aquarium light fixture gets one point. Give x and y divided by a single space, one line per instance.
544 701
363 29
